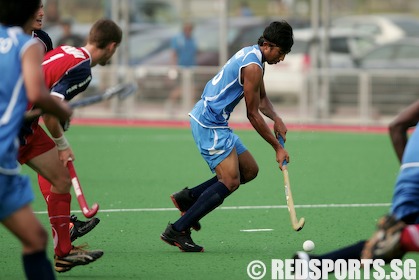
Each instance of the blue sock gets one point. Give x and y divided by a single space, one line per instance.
37 266
198 190
210 199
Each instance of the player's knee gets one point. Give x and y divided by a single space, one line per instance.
38 242
232 184
254 173
64 184
249 175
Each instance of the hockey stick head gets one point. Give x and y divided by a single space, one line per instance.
297 226
130 89
89 213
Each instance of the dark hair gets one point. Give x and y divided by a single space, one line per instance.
104 32
279 33
18 12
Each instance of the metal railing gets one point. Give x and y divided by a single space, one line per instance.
342 96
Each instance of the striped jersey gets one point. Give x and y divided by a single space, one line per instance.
13 100
67 73
224 91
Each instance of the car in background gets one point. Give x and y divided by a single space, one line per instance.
241 32
289 77
383 27
156 80
401 54
392 69
142 46
156 12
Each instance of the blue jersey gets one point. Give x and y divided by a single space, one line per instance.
13 99
406 191
185 49
223 92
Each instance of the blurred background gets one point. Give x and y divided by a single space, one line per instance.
353 61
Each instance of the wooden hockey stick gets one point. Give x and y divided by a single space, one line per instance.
297 225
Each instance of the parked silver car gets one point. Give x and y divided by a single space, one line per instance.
392 70
289 76
400 54
383 27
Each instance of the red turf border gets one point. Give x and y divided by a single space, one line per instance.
241 125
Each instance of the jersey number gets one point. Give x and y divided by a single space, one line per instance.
73 51
218 77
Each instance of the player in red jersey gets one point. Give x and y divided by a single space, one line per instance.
67 72
78 228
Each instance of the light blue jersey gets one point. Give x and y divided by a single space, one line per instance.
209 118
406 192
15 190
13 100
223 92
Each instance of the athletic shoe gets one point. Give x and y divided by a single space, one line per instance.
182 239
79 228
302 275
385 242
77 256
183 201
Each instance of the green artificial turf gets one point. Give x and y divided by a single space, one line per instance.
131 172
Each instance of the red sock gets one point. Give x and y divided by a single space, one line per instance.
45 187
59 216
410 238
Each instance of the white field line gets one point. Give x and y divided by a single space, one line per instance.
313 206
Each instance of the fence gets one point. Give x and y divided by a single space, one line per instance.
328 96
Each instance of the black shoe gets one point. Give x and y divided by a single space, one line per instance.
80 228
182 239
183 201
77 256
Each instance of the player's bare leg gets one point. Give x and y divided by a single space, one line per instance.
58 200
34 238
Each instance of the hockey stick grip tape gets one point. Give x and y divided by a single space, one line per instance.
282 142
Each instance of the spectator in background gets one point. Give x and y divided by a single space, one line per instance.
68 38
185 50
52 13
245 10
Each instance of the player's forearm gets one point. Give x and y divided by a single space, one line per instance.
267 109
399 127
50 105
263 129
53 126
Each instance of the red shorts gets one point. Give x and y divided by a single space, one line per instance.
37 144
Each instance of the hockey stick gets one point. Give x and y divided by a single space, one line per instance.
296 225
120 90
87 212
